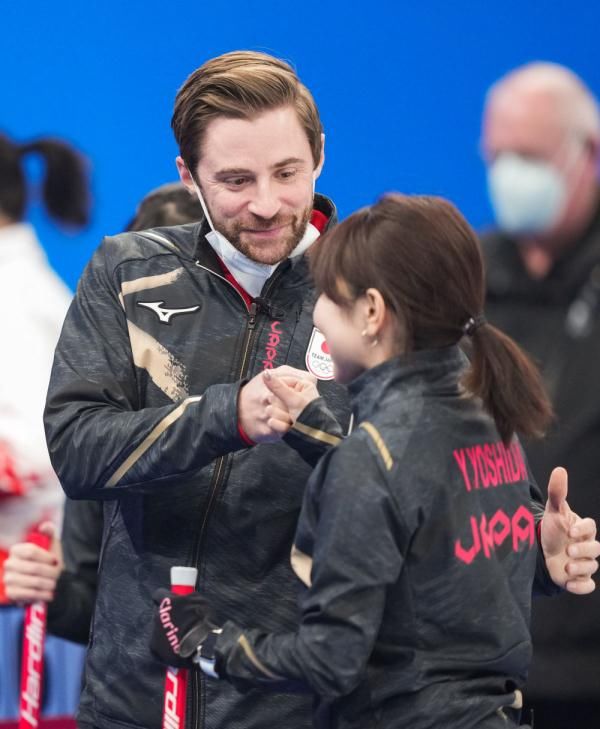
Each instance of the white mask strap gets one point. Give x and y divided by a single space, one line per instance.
201 199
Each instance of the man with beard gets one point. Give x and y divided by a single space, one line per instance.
157 401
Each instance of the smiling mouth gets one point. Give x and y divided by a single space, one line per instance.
265 232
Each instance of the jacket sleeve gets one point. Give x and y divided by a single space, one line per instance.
315 431
356 557
70 613
100 437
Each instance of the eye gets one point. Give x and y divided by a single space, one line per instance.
236 182
288 173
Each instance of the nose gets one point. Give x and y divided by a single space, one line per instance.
264 202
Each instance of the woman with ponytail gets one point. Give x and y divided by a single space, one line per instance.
417 538
34 303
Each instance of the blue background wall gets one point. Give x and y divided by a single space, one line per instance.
400 86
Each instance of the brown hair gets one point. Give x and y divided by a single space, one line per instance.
425 259
169 204
240 85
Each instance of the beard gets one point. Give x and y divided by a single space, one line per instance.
268 251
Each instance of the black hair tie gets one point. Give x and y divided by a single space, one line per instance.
473 323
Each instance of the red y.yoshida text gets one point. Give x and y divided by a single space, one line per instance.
489 466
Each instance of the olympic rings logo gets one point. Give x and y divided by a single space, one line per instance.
321 366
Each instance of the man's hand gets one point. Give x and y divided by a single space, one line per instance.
254 400
30 572
568 541
181 623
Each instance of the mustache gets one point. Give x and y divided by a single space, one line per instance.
278 221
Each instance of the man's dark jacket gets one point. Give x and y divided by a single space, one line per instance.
142 411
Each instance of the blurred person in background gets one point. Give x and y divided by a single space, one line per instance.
35 303
66 576
541 141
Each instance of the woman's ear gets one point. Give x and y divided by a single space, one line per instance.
375 310
384 324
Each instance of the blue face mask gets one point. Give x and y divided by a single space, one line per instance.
528 195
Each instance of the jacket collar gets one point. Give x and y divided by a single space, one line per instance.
432 371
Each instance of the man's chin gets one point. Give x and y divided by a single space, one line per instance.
268 253
267 260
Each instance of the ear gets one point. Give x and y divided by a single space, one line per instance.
375 311
184 174
319 167
593 145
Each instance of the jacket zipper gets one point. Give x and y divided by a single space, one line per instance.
218 479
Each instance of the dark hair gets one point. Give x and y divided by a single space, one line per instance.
169 204
65 189
425 259
240 85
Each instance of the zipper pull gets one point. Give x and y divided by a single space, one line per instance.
272 311
252 315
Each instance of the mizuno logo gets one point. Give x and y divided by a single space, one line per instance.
165 315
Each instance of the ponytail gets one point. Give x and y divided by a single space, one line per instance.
65 187
507 381
12 181
426 261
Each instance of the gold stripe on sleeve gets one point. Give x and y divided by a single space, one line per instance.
316 434
302 565
165 423
247 648
379 442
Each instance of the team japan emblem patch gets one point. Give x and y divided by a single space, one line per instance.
318 359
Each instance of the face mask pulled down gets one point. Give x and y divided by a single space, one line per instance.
251 275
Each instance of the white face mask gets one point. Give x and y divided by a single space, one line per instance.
528 196
251 274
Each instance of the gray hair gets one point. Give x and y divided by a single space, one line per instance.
573 99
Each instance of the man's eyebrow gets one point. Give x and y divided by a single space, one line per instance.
289 161
243 171
232 171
